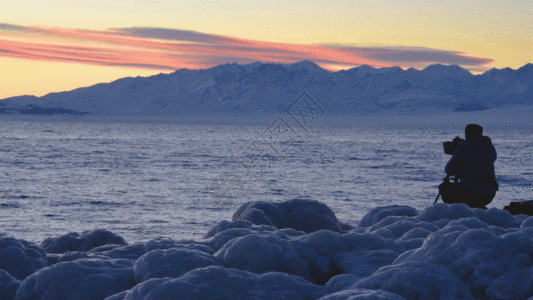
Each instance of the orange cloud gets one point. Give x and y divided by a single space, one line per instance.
169 49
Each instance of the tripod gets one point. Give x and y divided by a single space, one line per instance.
446 185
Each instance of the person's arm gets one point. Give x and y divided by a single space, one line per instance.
455 163
493 154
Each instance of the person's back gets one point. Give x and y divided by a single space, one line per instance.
473 163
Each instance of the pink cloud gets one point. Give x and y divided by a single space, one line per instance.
169 49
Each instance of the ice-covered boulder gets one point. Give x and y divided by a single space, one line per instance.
132 252
443 211
262 254
364 263
217 283
417 281
226 225
516 284
316 256
82 279
328 243
8 285
163 243
527 223
341 282
221 238
482 256
73 255
119 296
300 214
497 217
88 240
172 262
362 294
379 213
395 227
20 258
109 251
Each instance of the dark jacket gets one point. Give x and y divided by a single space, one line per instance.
473 163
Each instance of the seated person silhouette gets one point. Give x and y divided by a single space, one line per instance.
473 164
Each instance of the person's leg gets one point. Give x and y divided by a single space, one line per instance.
476 200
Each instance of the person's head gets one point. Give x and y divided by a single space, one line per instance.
473 130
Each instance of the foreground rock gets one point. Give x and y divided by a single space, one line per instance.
291 250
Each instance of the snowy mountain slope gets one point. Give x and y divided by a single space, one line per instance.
257 88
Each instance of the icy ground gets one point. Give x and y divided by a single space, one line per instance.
296 249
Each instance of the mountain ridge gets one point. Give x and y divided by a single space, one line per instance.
252 89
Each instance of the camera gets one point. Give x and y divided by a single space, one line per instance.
449 147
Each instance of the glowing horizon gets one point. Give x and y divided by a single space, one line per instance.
61 45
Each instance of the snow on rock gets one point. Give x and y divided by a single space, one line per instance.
119 296
8 285
78 280
88 240
341 282
417 280
172 262
73 255
216 282
513 285
379 213
221 238
362 294
20 258
527 223
263 253
300 214
327 242
497 217
109 251
312 256
483 256
225 225
132 252
161 243
439 211
364 263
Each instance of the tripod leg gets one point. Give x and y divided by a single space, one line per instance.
436 199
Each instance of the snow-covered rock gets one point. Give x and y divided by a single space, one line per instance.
172 262
8 285
290 250
88 240
362 294
81 279
416 281
217 282
299 214
20 258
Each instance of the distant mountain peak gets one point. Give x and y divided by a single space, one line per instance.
365 68
527 68
441 67
308 65
441 70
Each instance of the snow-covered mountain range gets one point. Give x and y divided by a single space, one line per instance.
253 89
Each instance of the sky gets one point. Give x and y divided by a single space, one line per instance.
59 45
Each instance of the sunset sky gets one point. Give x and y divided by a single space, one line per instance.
58 45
